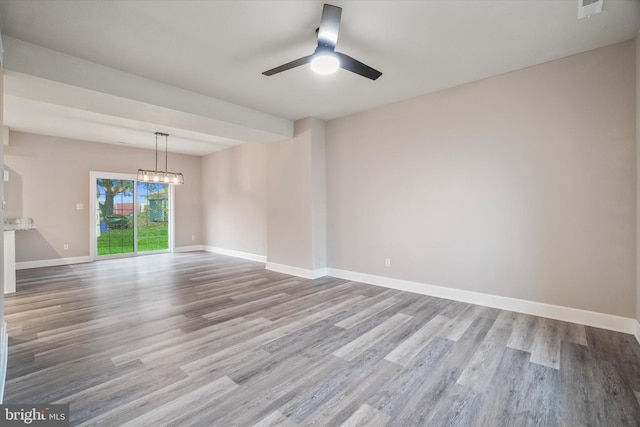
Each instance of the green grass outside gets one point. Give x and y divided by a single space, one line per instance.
153 236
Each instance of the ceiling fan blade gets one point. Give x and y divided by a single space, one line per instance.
289 65
350 64
329 26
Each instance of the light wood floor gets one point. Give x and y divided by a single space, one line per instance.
207 340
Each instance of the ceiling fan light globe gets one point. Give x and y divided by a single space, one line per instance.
325 63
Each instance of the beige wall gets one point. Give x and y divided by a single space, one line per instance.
289 235
637 41
296 222
3 141
318 194
49 176
521 185
234 183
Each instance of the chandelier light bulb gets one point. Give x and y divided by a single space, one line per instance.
158 175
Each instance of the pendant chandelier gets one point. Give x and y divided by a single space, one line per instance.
161 177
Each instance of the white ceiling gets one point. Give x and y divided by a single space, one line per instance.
219 49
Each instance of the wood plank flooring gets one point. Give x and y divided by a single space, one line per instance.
207 340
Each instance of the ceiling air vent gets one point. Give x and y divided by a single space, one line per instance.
586 8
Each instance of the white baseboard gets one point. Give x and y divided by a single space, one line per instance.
4 357
52 262
296 271
637 334
193 248
237 254
567 314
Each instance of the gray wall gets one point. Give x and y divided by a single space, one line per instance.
521 185
234 183
49 176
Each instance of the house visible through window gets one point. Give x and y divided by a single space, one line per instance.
131 217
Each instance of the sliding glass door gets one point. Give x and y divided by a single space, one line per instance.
129 217
115 228
153 216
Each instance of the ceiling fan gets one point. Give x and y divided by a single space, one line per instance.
325 59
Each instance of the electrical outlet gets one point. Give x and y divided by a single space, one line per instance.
387 262
193 237
66 246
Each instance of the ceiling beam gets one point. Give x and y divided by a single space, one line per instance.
52 77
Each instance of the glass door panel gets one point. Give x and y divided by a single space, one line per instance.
129 217
115 225
152 216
